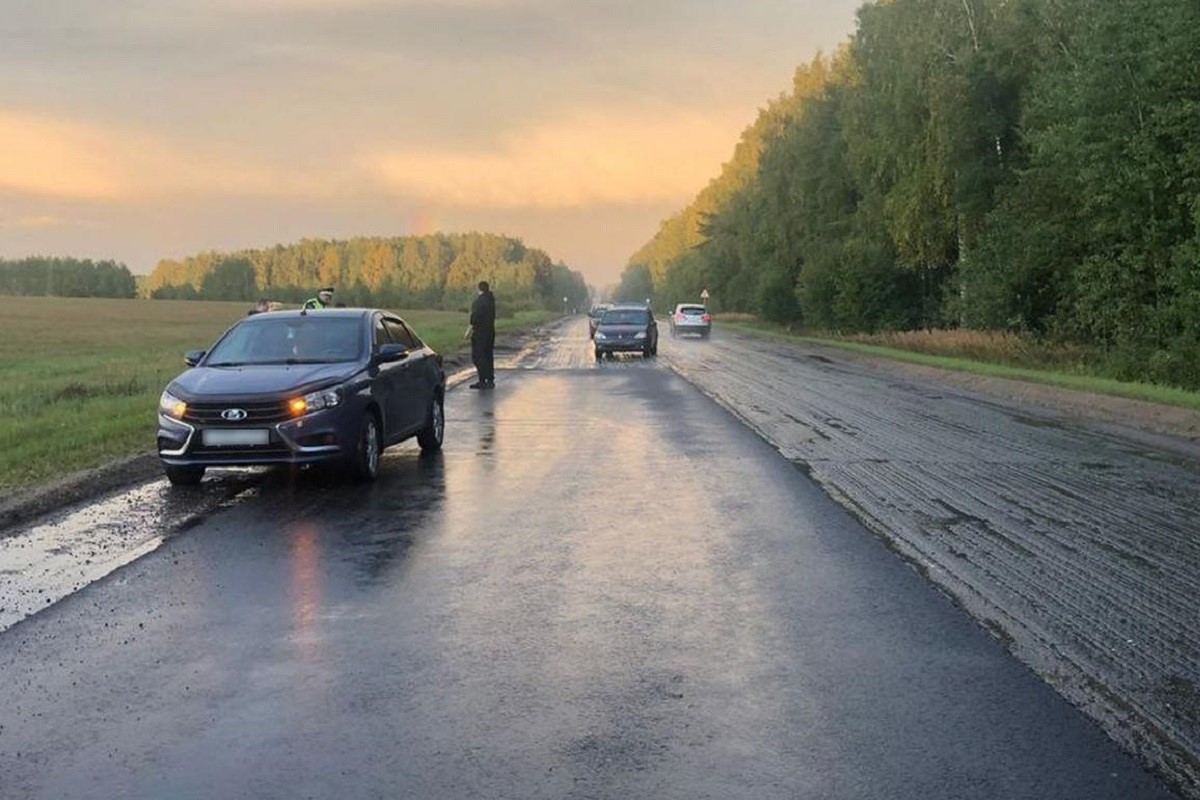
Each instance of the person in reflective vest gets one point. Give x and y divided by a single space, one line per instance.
323 299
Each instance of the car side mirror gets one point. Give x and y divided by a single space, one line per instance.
192 357
391 352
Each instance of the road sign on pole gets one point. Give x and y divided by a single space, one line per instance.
704 294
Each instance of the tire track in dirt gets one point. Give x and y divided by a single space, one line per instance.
1078 548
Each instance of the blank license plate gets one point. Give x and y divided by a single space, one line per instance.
251 437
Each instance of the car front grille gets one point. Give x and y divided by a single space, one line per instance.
257 414
273 449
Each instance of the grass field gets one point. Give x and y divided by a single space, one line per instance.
999 355
80 378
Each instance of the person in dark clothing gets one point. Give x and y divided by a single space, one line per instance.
482 333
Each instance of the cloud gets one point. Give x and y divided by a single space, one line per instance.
57 159
636 158
54 158
37 221
34 222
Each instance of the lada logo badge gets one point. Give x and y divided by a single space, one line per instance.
234 414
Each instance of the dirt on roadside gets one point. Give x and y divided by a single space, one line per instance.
1167 427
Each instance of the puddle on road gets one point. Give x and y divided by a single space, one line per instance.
52 560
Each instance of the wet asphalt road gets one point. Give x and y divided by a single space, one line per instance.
606 586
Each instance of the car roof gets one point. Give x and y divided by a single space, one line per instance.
690 305
340 313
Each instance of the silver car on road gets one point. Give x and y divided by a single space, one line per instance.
691 318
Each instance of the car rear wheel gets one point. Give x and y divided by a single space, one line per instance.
364 466
430 437
184 476
599 355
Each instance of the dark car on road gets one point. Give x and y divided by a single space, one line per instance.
626 328
295 387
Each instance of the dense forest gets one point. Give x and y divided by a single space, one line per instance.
434 271
65 277
1024 165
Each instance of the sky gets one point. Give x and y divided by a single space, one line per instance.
146 129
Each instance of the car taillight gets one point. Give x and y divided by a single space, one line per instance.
707 318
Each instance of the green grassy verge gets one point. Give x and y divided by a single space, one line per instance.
80 378
1166 395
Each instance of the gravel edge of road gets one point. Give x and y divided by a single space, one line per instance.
1154 424
1167 428
27 504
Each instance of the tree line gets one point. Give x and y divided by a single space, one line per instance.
65 277
1026 165
433 271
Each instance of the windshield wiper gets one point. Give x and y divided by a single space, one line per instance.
291 362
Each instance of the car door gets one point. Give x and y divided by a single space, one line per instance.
388 382
412 391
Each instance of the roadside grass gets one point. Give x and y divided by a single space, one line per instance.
80 377
995 354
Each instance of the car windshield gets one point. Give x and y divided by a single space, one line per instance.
635 316
691 311
310 339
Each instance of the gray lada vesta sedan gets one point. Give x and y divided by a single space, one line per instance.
294 387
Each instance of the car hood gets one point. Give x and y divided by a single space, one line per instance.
266 379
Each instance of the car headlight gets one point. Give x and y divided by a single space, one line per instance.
326 398
171 406
601 335
640 335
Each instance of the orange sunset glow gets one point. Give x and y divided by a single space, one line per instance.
144 132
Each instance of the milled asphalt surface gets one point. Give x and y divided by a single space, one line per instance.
605 587
1077 546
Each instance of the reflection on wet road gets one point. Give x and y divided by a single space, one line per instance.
604 587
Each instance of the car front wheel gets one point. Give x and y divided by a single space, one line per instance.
365 463
430 437
184 476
